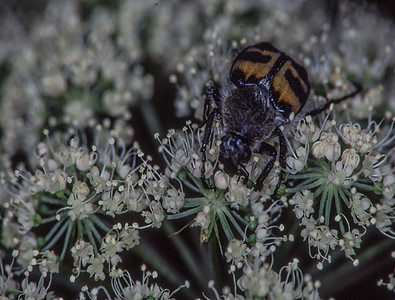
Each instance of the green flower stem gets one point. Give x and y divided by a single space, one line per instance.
90 236
339 212
190 186
49 220
225 225
199 184
239 218
363 186
233 221
56 237
319 190
185 213
328 205
67 240
217 235
91 227
53 201
306 175
99 223
54 229
80 230
193 202
322 201
307 185
345 195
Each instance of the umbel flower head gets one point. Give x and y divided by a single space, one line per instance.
341 183
69 71
227 205
125 287
77 190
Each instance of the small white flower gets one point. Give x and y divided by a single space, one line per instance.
81 189
49 263
351 241
221 180
350 159
155 216
303 204
82 252
112 203
202 219
130 237
297 163
32 290
173 201
96 268
360 206
332 147
236 252
318 149
98 179
79 207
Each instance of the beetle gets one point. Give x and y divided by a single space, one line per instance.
264 89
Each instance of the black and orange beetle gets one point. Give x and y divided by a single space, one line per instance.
265 86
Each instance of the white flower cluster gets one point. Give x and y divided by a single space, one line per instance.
84 187
70 71
126 288
180 150
346 162
259 280
120 238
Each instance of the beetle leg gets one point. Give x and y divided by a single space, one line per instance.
207 104
212 94
269 150
325 106
282 157
206 138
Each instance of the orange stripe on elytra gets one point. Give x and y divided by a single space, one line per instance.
253 68
286 91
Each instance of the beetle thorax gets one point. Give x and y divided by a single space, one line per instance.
248 112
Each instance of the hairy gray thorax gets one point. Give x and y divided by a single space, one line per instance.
248 112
